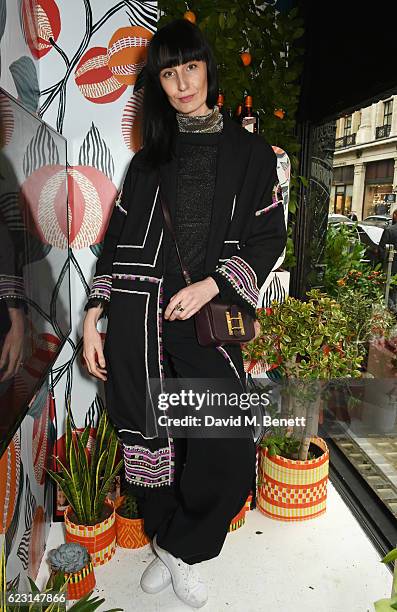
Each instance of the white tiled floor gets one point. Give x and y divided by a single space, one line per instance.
323 565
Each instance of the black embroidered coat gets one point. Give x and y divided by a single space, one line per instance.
246 238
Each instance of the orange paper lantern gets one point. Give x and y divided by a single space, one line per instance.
190 16
41 442
41 188
127 50
10 465
246 58
91 199
131 123
94 78
40 21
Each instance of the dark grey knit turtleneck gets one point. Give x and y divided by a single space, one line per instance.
197 149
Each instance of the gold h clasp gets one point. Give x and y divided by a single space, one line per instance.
231 327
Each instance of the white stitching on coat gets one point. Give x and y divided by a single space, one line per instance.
140 246
138 263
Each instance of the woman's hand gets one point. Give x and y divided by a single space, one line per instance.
192 298
257 326
92 344
12 350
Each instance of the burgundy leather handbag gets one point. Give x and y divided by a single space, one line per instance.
216 322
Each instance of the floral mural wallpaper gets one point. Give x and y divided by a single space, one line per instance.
77 66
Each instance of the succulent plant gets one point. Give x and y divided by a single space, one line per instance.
69 558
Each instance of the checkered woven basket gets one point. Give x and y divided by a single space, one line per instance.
293 490
99 539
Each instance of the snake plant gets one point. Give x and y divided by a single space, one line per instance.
87 475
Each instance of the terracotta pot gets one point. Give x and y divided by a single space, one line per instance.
99 539
129 532
81 582
293 490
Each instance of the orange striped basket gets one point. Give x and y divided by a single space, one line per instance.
99 539
293 490
80 583
239 519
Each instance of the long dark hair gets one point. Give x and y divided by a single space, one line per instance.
178 42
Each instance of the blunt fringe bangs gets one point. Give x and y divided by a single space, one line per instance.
178 42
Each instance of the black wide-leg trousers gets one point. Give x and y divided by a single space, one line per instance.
214 475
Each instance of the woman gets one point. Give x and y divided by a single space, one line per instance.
217 178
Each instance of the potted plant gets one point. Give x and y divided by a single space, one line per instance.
360 295
55 589
129 524
85 478
74 561
308 342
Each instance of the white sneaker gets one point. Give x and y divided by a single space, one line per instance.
155 577
186 580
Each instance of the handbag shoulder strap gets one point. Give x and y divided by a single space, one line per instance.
168 221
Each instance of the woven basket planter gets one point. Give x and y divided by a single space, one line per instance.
99 539
81 582
293 490
129 532
239 519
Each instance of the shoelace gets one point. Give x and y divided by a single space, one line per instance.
191 576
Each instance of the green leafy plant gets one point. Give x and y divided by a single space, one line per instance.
367 282
56 586
343 252
272 77
390 604
86 477
280 444
360 293
307 341
279 440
